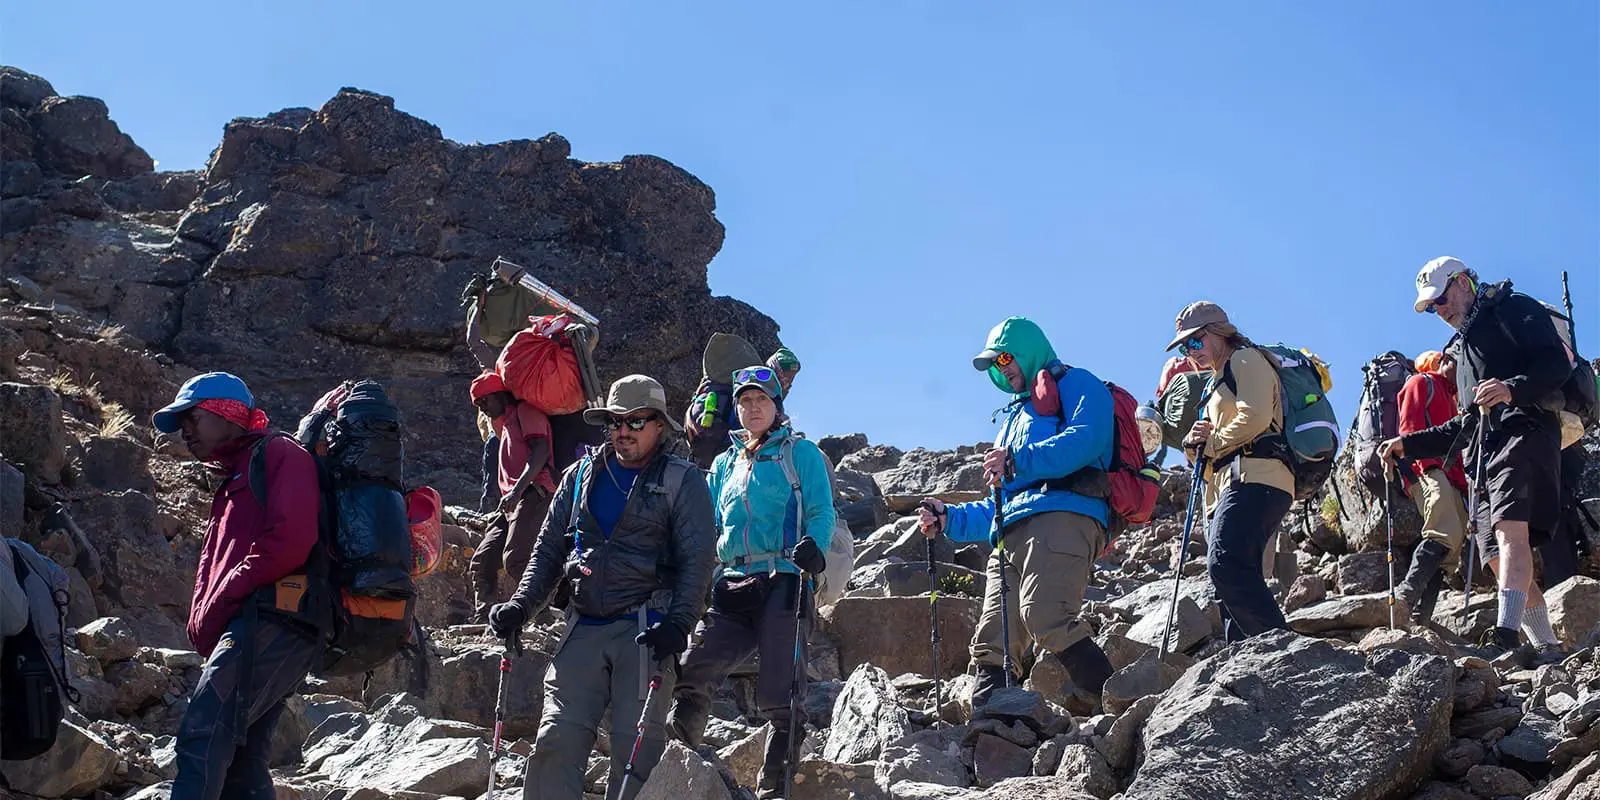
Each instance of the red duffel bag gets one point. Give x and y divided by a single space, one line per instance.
540 367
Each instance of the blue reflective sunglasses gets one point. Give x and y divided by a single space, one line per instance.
1192 344
753 375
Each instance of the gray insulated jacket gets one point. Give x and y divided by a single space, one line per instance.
13 600
663 546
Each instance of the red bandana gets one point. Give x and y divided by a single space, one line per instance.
251 419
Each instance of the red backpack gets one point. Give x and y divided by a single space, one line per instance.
1132 484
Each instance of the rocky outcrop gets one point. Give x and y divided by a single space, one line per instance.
331 243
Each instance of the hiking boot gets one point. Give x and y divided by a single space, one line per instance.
990 680
1503 648
1549 654
1424 580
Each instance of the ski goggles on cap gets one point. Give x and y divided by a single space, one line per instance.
1004 359
753 375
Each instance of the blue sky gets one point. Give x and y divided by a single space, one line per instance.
897 177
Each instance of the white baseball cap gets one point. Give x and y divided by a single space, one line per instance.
1435 278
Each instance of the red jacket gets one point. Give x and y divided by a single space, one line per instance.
1419 413
247 546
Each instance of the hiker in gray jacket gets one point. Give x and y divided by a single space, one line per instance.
631 527
13 601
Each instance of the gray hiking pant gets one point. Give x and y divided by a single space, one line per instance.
731 631
597 665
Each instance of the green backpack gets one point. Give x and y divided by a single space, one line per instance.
503 308
1179 406
1310 436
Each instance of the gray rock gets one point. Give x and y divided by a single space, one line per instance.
1048 756
1581 782
926 757
910 579
892 633
1118 744
823 780
1436 790
1360 729
1147 676
1365 573
1014 704
138 686
1462 755
400 750
31 427
1191 624
1345 613
1497 782
1575 611
108 640
837 446
1481 723
80 763
870 459
901 540
743 758
866 717
1085 770
1033 789
995 759
1307 590
926 472
1528 747
683 775
911 790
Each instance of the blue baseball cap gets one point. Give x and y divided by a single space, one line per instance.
210 386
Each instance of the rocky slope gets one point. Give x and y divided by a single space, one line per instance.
1340 708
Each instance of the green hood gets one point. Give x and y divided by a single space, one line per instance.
1023 339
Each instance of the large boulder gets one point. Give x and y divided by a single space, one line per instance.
682 774
866 717
892 633
1281 716
75 137
399 750
1575 611
31 432
80 763
924 472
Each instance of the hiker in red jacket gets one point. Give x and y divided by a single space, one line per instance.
255 657
1428 399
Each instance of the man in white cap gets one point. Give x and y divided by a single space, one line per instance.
1510 365
632 528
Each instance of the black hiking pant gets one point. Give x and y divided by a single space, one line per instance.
491 475
1246 517
1565 551
212 763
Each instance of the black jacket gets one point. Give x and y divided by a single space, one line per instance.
662 544
1510 336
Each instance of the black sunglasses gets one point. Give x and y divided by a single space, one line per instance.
634 424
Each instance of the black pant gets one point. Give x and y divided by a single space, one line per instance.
1246 516
212 764
1565 550
491 475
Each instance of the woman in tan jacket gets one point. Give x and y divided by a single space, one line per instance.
1249 485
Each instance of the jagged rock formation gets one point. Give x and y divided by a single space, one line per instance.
330 243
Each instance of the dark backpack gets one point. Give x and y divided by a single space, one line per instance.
1309 438
709 420
1579 395
358 591
1378 414
34 685
1132 484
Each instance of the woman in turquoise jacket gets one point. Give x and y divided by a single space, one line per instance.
774 514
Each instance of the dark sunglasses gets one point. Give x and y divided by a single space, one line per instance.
1004 359
634 424
1193 344
1440 301
753 375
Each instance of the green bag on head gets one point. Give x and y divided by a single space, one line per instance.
1179 406
503 308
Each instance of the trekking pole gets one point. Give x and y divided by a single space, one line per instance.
933 622
1183 548
656 678
796 730
1388 519
1005 585
513 648
1566 300
513 273
1472 509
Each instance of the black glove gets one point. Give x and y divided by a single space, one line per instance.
664 640
808 556
507 619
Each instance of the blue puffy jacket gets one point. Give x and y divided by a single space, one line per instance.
756 507
1042 447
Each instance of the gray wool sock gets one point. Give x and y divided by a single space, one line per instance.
1512 603
1536 623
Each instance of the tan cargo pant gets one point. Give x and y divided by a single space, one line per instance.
1444 513
1048 560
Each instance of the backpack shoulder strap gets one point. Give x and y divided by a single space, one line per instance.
672 475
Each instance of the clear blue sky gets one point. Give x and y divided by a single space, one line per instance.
896 177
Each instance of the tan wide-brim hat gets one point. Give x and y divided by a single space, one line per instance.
630 394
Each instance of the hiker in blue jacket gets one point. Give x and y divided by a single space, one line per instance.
774 514
1055 524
